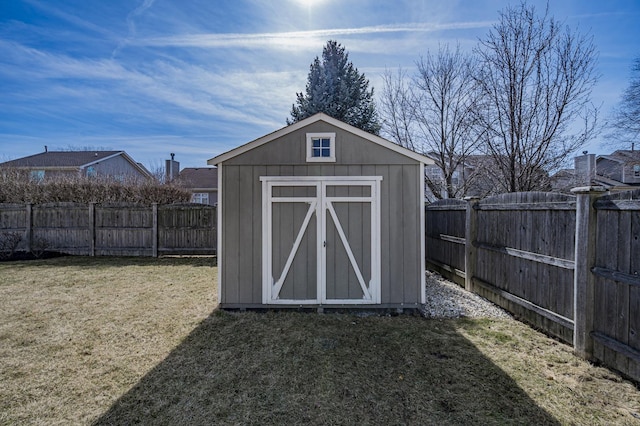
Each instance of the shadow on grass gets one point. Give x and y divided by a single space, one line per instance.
290 368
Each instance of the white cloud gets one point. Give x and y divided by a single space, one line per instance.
297 39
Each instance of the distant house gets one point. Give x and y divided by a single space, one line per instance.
564 180
202 182
618 171
472 177
117 165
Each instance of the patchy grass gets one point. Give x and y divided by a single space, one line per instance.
121 341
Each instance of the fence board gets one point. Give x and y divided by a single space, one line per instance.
607 248
113 229
63 226
14 218
615 322
187 229
525 259
622 289
445 233
518 252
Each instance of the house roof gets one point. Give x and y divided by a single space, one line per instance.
61 159
70 160
199 177
622 156
313 119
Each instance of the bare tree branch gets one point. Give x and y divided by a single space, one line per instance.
536 79
432 113
625 124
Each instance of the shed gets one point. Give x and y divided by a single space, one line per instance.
321 214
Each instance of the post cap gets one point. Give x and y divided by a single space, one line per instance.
588 189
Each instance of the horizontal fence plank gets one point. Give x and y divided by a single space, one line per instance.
113 229
565 205
621 277
446 208
535 257
565 322
122 227
617 205
195 250
448 268
616 345
452 239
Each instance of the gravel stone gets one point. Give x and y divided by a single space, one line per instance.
445 299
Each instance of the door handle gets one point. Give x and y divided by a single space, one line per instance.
324 244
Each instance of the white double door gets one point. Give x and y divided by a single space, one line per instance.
321 240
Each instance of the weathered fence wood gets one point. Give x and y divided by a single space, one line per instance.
518 252
617 279
535 257
584 281
62 226
566 322
187 229
113 229
569 265
470 248
445 239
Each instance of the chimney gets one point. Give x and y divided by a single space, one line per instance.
46 149
172 168
585 166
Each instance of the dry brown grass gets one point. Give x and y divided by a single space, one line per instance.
121 341
76 333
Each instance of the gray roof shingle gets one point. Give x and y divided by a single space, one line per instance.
60 159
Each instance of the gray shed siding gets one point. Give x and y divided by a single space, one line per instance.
241 262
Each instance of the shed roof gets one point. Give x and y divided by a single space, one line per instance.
313 119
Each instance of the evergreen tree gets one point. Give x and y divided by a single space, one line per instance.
336 88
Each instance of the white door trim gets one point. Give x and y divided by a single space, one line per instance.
322 206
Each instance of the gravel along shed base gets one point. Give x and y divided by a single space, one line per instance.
445 299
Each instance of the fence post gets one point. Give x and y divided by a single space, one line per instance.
92 229
471 233
583 279
155 230
28 227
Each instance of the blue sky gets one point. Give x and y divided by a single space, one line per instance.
200 77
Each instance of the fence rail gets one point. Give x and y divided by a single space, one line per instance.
568 264
113 229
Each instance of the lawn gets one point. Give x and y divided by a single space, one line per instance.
137 340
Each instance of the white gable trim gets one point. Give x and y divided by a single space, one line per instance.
313 119
108 157
124 155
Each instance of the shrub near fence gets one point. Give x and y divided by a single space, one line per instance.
113 229
569 265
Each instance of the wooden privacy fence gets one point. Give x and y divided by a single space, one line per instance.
568 264
112 229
